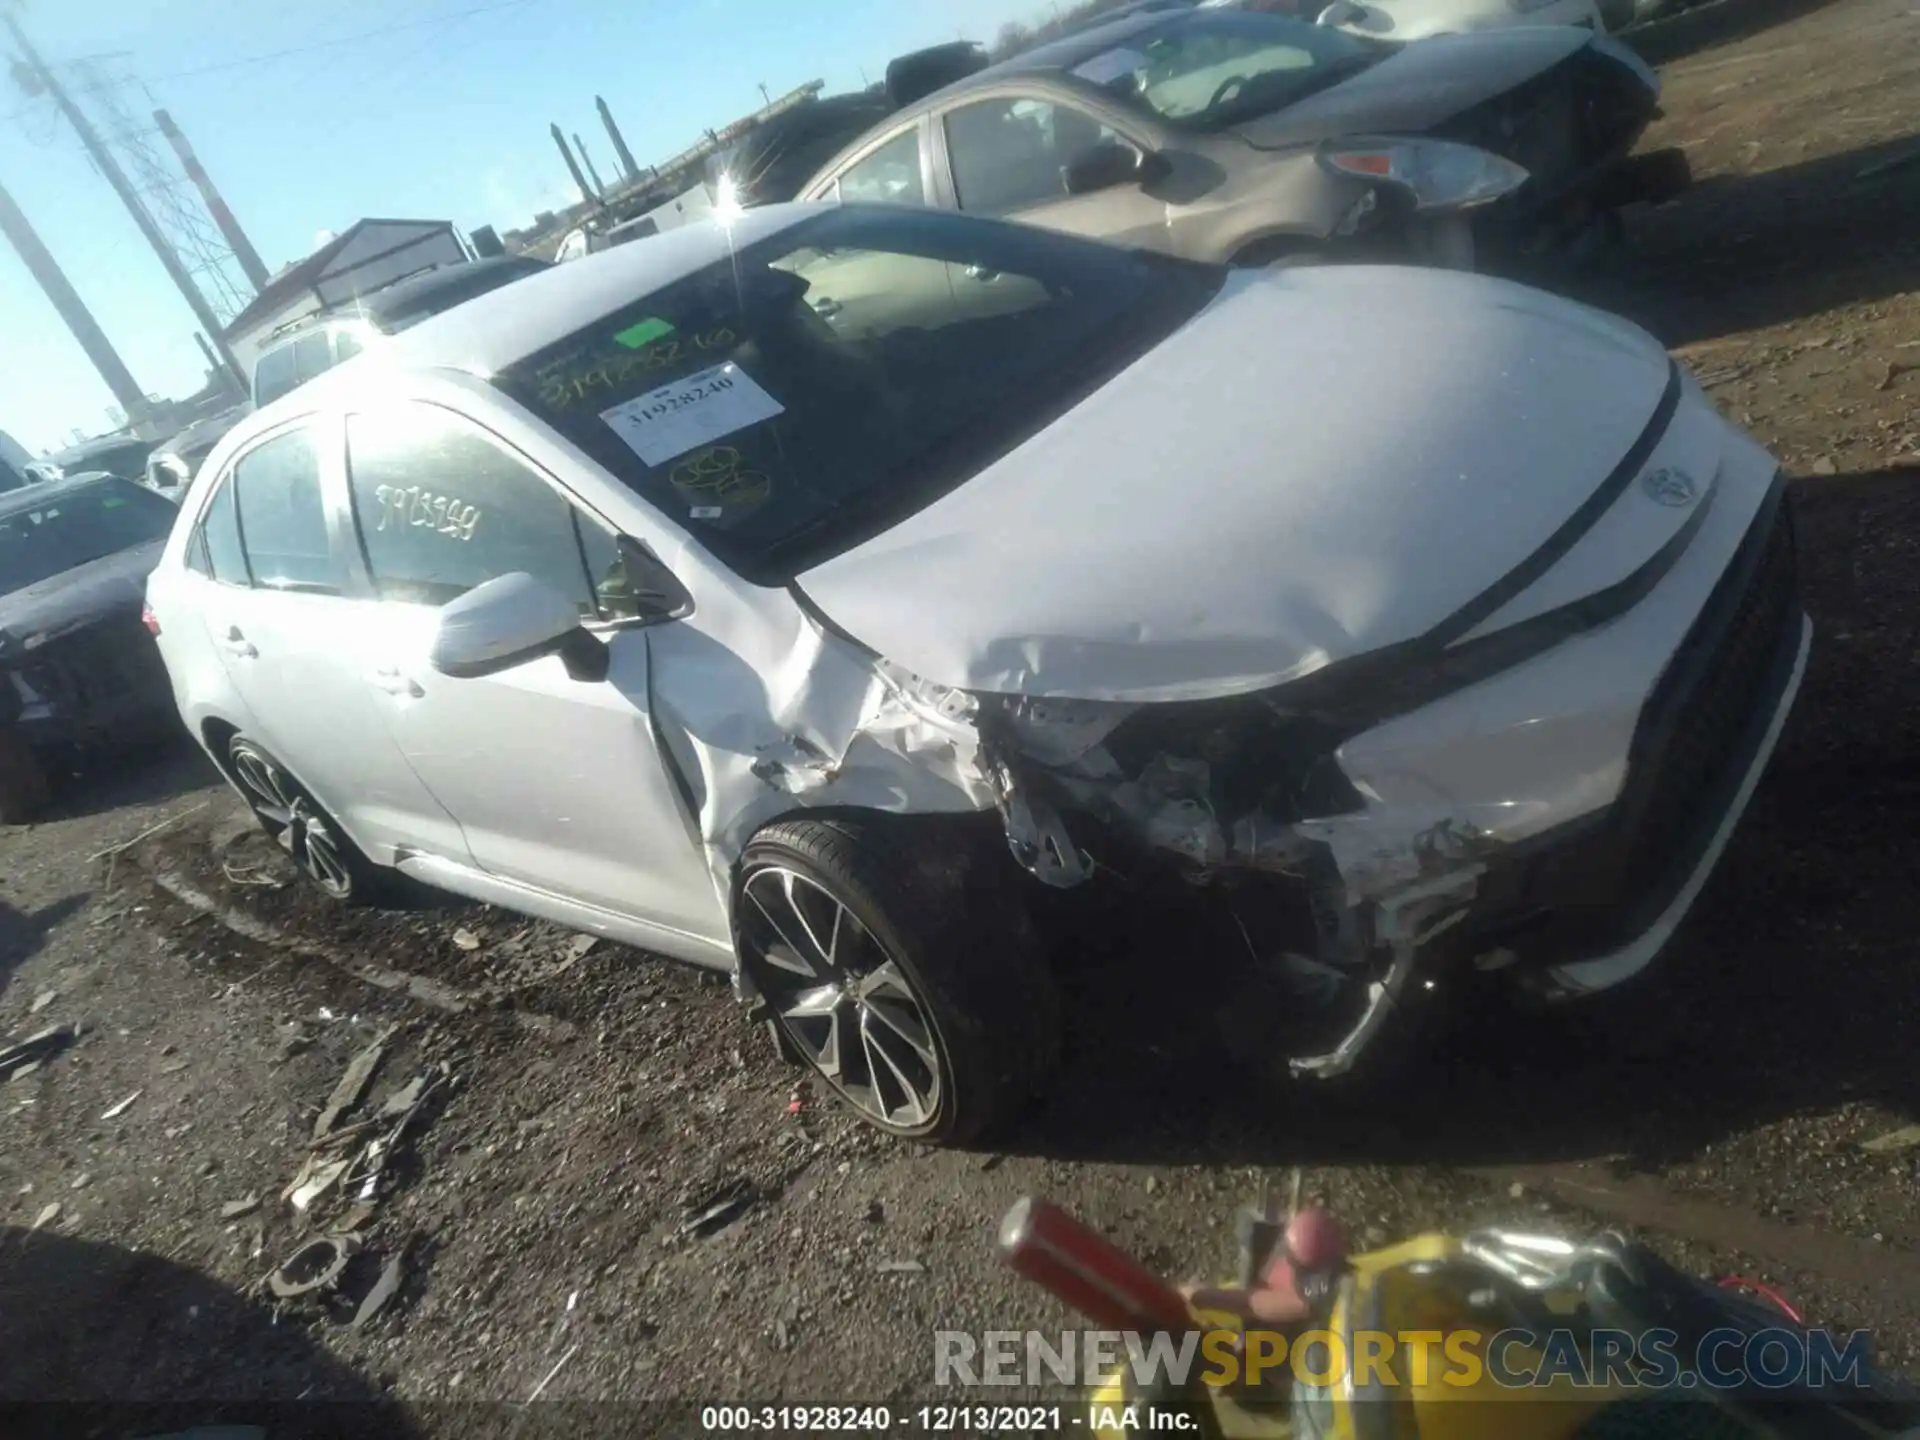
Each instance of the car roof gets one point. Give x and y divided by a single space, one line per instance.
408 294
494 331
32 497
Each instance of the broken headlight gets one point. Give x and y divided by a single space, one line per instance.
1436 174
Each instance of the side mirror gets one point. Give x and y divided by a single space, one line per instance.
643 589
1107 164
509 621
1341 12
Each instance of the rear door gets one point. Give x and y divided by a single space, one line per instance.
275 609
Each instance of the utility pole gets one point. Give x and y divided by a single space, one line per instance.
224 217
599 190
619 141
110 168
573 166
45 269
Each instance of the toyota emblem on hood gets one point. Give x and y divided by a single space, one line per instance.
1669 487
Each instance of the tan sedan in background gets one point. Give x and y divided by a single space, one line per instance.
1223 135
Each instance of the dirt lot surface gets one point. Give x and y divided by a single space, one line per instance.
611 1190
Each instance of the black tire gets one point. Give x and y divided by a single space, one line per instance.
301 826
938 898
25 789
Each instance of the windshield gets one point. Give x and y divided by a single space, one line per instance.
1215 68
76 526
812 390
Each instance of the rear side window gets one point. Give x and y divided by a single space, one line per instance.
889 176
346 345
273 375
312 356
283 520
220 537
441 509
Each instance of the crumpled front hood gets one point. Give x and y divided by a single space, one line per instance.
78 596
1321 463
1419 87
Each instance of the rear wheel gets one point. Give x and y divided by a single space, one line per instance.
895 963
299 825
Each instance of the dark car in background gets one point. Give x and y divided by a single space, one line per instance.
122 455
171 467
770 165
314 346
78 666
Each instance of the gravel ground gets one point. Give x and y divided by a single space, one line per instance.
542 1211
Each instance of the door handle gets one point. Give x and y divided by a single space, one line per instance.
238 644
395 683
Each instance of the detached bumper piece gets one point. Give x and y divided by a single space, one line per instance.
1591 890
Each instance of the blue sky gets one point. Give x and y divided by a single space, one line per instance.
445 119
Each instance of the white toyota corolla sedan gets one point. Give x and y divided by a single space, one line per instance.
809 596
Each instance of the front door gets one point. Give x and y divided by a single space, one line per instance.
556 783
1007 156
274 610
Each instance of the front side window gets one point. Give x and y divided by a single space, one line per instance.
283 520
810 389
1210 69
76 527
442 508
1008 154
888 176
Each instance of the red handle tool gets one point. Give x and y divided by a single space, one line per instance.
1077 1265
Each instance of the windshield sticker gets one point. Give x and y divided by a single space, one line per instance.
424 510
638 337
1107 68
564 383
707 512
667 422
113 502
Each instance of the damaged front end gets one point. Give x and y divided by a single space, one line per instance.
1244 800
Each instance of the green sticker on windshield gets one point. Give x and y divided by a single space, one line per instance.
645 333
113 502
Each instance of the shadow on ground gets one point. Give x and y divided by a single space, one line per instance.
132 774
1746 252
1791 986
96 1340
1705 26
22 932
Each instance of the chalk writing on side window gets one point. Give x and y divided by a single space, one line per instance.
424 510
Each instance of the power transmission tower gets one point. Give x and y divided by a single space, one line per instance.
169 195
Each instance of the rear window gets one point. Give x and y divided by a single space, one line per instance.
77 526
812 389
273 375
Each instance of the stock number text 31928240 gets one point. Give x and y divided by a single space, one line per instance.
880 1420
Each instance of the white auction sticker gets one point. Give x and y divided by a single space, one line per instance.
692 412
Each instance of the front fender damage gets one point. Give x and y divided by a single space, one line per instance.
842 730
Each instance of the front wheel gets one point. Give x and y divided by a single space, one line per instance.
895 960
296 822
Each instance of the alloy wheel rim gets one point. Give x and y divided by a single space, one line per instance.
295 822
842 999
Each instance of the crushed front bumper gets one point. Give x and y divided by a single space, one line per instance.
1589 905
